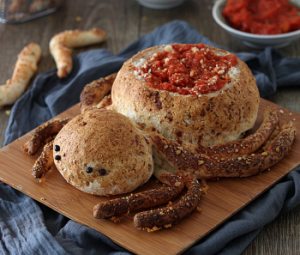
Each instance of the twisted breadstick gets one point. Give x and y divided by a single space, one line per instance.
44 162
141 200
154 219
43 132
94 92
231 149
61 47
208 168
24 69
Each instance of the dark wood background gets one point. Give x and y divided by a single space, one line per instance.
124 21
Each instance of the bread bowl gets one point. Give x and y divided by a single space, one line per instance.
205 119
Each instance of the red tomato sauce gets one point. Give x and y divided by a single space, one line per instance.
266 17
190 69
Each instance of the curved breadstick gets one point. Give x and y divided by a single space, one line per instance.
44 162
275 133
106 101
231 149
154 219
141 200
208 168
24 69
61 46
94 92
43 132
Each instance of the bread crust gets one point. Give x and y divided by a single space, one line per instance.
104 141
207 120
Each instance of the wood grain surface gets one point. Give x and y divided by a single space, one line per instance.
125 21
224 198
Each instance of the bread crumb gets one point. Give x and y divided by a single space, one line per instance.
281 111
78 19
8 112
168 225
198 209
153 229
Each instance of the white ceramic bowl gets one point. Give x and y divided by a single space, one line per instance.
160 4
253 40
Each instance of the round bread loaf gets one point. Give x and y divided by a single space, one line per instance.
103 153
205 119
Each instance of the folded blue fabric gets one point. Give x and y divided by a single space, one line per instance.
28 227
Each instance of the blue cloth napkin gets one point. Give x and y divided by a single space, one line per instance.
28 227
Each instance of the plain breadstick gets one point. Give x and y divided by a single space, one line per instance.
23 71
61 47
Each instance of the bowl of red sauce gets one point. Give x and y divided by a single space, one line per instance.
260 23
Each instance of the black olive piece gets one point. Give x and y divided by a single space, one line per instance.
102 171
56 148
57 157
89 169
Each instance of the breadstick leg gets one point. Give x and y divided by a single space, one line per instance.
154 219
94 92
231 149
44 162
142 200
43 132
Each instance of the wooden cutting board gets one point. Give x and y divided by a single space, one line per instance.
224 198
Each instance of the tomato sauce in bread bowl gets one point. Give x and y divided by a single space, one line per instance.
214 98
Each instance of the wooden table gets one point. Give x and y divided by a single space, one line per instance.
124 21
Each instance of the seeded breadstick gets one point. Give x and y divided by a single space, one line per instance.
43 132
231 149
141 200
94 92
155 219
44 162
244 166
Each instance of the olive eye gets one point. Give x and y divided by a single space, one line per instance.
89 170
102 171
56 148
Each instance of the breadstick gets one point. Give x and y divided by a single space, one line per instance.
154 220
24 69
248 165
141 200
43 132
44 162
61 46
231 149
93 93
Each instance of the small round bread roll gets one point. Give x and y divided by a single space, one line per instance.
177 103
103 153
